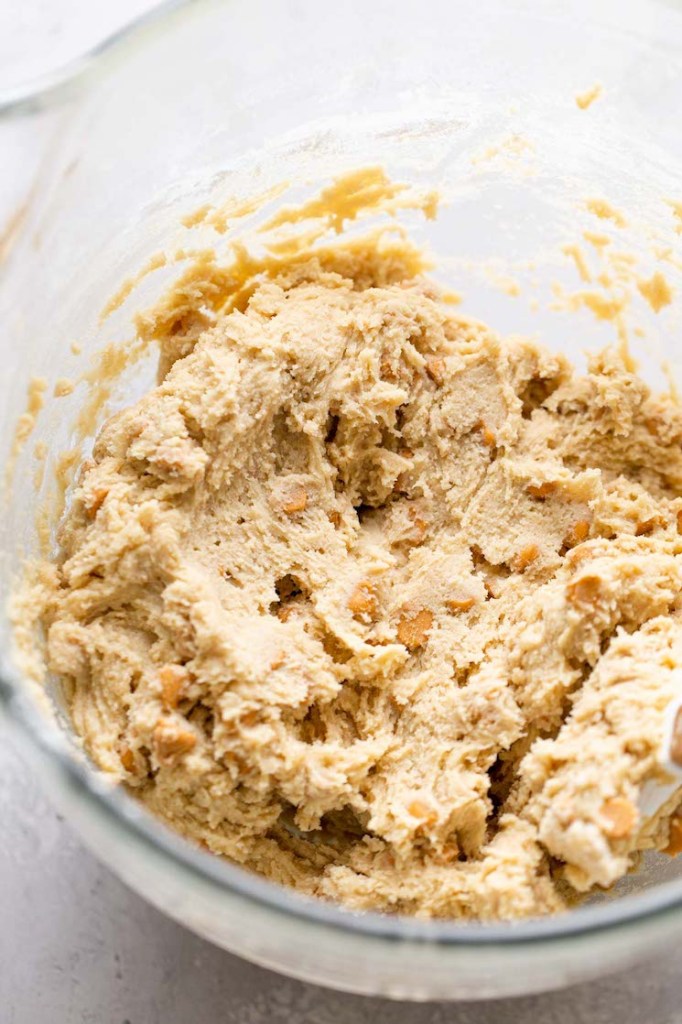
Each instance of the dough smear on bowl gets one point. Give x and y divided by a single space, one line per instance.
377 603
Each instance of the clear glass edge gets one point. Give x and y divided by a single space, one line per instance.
62 83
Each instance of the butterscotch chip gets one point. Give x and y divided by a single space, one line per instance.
621 816
128 759
407 453
387 369
296 500
363 601
334 518
435 368
95 500
679 520
674 845
541 491
578 533
420 809
675 752
172 741
413 630
419 528
584 590
146 516
646 527
393 368
577 555
402 484
173 679
489 439
525 557
460 604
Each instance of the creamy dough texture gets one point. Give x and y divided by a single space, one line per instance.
377 603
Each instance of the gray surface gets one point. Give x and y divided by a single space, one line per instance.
77 947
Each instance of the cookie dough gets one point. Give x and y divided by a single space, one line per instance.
377 603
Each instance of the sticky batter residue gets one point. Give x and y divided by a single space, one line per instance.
589 96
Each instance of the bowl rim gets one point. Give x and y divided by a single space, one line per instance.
59 84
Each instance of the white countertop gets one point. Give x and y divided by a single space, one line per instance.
77 947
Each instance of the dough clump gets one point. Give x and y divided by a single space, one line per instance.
377 603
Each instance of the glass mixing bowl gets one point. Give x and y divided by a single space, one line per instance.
211 99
